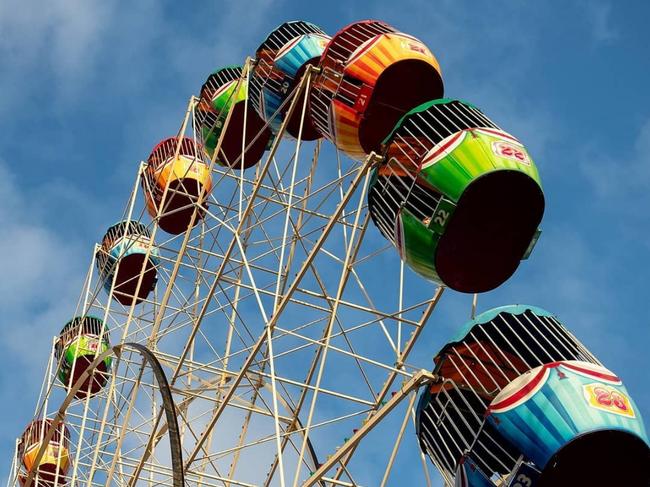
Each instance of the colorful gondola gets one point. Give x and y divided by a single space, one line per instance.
52 469
80 342
459 198
370 76
225 91
127 252
486 355
176 170
577 422
280 62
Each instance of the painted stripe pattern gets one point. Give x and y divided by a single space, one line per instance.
351 66
478 368
540 420
434 155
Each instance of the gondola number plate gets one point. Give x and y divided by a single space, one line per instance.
524 476
441 216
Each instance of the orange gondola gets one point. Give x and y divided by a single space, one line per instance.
176 164
370 76
52 468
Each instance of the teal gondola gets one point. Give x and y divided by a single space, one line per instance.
280 62
491 360
126 253
577 422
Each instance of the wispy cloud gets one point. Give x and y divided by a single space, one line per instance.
599 15
42 273
49 38
618 179
629 172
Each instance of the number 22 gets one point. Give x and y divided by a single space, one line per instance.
441 217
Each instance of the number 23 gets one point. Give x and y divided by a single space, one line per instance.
523 481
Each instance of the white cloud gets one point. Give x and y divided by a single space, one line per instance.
620 176
599 16
42 276
74 38
42 272
42 37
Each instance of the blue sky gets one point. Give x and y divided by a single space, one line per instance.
87 87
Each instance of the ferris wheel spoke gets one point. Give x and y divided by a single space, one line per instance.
269 350
398 440
122 436
349 446
271 323
323 290
399 364
263 316
267 479
351 250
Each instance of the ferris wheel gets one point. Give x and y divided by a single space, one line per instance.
250 318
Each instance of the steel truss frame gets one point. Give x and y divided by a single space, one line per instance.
279 312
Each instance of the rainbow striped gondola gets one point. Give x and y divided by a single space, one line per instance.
486 356
370 76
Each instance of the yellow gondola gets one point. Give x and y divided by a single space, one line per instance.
176 163
52 468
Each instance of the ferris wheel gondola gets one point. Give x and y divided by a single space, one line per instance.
459 198
53 466
81 340
126 253
280 62
568 417
516 390
370 76
246 137
175 177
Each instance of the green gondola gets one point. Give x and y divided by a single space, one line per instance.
460 198
223 91
81 340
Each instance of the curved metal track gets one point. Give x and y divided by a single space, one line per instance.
168 405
